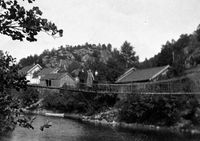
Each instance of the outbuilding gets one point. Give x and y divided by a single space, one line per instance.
57 80
143 75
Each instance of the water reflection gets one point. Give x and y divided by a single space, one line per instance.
69 130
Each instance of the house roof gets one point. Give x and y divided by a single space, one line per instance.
47 71
26 69
126 73
55 76
141 75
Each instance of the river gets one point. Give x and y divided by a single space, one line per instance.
70 130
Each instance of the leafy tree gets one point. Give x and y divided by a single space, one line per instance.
197 32
179 56
1 53
109 47
147 63
9 79
30 60
20 24
115 66
166 55
114 70
129 55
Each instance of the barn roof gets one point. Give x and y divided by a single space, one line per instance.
141 75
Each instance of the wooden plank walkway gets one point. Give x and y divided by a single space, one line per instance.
164 87
44 87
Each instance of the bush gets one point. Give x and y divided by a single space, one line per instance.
159 109
66 102
78 102
28 97
100 102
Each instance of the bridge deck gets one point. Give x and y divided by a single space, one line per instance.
163 87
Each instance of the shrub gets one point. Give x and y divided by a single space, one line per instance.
66 102
159 109
78 102
28 96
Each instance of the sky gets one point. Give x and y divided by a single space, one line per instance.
146 24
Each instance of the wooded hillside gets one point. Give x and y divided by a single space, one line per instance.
109 63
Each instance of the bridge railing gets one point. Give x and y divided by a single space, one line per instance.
167 86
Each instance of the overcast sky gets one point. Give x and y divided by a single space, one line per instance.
146 24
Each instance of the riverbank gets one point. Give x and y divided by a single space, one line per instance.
101 120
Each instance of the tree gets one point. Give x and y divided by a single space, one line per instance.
129 55
166 55
197 32
30 60
109 47
9 80
20 24
114 70
179 56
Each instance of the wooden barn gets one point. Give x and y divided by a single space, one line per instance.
143 75
136 79
57 80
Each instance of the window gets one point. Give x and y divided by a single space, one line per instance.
48 82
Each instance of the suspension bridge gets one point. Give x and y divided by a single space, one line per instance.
173 86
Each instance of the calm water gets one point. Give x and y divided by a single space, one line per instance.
69 130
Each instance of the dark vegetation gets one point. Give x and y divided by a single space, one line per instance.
77 102
20 24
28 97
9 105
164 110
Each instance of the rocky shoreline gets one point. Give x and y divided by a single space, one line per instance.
99 119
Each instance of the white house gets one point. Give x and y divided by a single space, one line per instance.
30 71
